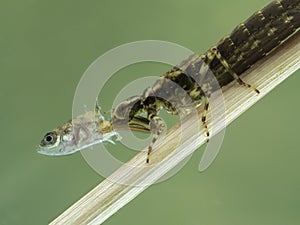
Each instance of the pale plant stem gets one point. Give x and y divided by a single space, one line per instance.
109 196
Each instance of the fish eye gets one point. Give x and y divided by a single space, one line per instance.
50 138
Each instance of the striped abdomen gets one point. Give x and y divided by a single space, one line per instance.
250 41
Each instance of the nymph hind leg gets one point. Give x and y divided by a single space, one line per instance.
214 52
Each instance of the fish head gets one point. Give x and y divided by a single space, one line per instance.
77 134
60 141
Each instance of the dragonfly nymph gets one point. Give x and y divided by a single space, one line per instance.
248 43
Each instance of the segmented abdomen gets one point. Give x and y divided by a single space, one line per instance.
256 37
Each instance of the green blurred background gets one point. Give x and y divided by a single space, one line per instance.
45 46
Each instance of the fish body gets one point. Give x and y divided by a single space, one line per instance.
83 131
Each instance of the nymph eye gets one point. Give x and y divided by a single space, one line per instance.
50 138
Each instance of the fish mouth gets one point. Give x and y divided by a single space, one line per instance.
39 149
43 151
53 152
